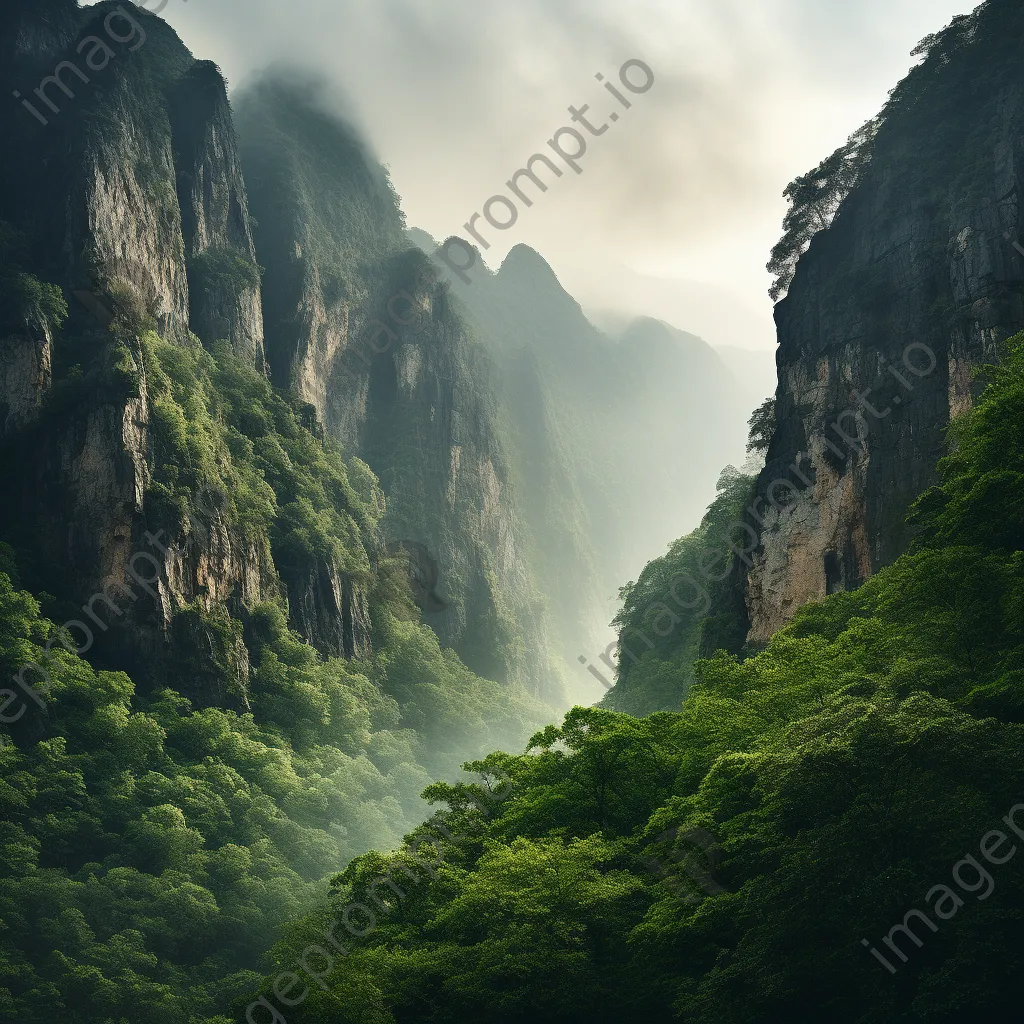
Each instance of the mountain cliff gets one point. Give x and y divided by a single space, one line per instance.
220 689
900 276
362 330
603 432
916 283
126 193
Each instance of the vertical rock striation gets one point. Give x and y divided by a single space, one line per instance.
131 198
916 283
359 326
219 249
26 373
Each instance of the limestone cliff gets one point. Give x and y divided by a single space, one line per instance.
603 432
26 371
223 276
920 263
360 327
123 187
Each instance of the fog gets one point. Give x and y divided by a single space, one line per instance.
679 204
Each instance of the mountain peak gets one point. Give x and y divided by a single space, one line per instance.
649 330
527 265
526 276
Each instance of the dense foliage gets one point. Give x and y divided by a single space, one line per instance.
227 271
846 772
664 623
151 850
152 846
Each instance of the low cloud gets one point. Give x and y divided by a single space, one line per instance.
688 183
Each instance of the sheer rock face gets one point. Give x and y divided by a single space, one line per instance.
418 412
429 429
26 373
103 465
332 612
325 327
79 493
364 332
215 214
916 283
124 228
140 171
120 196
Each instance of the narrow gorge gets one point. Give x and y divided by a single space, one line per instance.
389 645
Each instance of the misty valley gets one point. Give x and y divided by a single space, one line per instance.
393 632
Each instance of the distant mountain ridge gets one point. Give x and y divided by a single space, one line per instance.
619 470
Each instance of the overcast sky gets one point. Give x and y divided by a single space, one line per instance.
679 202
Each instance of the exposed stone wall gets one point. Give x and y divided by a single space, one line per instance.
914 263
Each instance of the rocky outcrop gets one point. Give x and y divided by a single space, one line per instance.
132 200
141 174
326 324
104 471
107 156
430 432
26 373
918 281
214 567
124 230
331 611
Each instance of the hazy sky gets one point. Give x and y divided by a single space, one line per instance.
685 187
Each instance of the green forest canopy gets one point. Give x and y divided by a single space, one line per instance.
845 772
150 849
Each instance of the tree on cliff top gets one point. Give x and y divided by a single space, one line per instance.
814 198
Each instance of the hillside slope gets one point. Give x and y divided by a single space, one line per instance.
241 696
826 831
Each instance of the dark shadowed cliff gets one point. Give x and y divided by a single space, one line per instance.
920 263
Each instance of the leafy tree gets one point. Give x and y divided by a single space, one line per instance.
762 426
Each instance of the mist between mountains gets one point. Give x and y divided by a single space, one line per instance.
317 962
716 562
629 73
404 310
